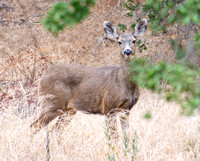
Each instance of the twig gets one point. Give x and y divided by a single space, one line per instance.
47 145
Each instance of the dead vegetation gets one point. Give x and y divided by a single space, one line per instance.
26 50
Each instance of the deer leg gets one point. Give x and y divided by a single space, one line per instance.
46 116
112 121
124 121
61 119
54 103
51 108
112 124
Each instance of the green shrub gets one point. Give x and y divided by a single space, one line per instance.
64 14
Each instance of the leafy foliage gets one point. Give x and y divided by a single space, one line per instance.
164 12
148 115
64 14
111 157
197 39
133 150
131 7
122 27
141 46
182 82
188 12
158 12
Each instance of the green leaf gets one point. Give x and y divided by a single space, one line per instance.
148 115
64 14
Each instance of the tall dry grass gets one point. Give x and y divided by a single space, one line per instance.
167 136
26 49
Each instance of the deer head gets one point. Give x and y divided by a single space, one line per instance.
126 41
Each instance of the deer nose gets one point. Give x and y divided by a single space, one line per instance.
128 52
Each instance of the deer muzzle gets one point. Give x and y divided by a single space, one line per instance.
128 52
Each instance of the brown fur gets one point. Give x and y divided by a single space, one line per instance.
95 90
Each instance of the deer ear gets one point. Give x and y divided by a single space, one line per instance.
140 28
111 31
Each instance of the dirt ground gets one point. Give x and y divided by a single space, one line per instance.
27 49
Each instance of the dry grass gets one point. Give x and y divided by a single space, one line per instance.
167 136
26 49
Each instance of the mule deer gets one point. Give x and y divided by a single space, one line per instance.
97 90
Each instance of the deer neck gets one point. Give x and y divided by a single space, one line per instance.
125 72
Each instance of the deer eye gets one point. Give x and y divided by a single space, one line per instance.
134 41
119 42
